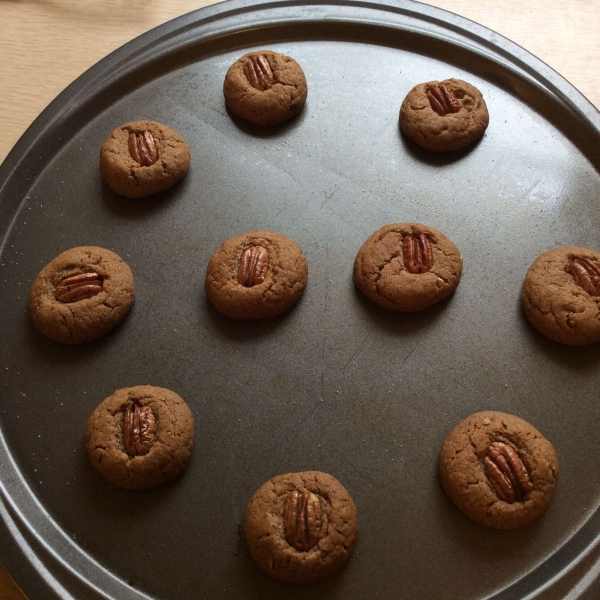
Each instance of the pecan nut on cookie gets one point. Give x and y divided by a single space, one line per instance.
81 295
301 527
140 437
142 158
265 88
561 295
444 115
407 267
256 275
498 469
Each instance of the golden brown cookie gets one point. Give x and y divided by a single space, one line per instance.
256 275
407 267
81 295
301 527
446 115
140 437
498 469
142 158
265 87
561 295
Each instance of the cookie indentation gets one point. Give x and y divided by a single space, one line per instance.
586 274
78 287
139 429
442 99
259 72
506 472
417 254
302 519
142 148
253 266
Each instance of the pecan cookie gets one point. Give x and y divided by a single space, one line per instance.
81 295
446 115
301 527
498 469
561 295
140 437
265 87
142 158
407 267
256 275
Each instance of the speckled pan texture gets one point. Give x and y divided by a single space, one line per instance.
336 384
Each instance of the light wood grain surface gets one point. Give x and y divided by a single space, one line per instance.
46 44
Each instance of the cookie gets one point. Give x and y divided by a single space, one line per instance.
81 295
498 469
142 158
407 267
442 116
140 437
256 275
265 87
561 295
301 527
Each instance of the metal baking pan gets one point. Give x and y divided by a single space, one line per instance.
336 384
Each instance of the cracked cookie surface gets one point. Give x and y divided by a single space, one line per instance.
282 101
264 528
463 474
381 274
284 279
125 176
556 304
453 131
170 452
86 319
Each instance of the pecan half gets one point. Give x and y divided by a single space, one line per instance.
506 472
417 254
442 99
586 274
78 287
139 429
258 72
253 266
142 148
302 520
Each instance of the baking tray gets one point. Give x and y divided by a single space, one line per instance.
336 384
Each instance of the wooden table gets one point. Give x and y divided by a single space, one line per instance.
47 44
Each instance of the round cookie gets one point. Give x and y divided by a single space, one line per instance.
510 492
81 295
442 116
265 87
301 527
256 275
140 437
561 295
142 158
407 267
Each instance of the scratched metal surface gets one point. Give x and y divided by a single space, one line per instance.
336 384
